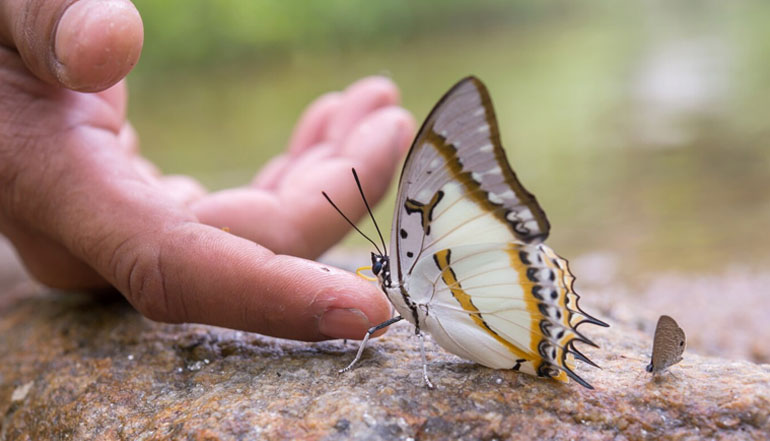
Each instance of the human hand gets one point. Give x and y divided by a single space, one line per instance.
84 210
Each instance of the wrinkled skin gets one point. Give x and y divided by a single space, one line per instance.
85 211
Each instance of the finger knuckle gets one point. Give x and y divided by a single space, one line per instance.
139 273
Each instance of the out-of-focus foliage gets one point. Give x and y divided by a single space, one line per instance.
642 126
184 32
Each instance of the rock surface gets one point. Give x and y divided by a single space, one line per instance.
77 368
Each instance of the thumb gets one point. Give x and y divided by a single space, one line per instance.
85 45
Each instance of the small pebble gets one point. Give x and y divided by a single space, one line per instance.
21 392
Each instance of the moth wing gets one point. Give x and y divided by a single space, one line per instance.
668 344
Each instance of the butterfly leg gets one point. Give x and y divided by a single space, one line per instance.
661 376
424 360
369 333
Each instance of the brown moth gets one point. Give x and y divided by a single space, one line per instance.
668 345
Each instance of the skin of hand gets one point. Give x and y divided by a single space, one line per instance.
85 211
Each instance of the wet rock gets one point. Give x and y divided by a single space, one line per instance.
78 368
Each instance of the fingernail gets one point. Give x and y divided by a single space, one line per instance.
344 323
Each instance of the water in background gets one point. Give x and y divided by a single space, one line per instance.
642 127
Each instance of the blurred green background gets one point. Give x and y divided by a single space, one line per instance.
641 126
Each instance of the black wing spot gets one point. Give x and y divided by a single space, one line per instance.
520 228
403 233
409 254
425 210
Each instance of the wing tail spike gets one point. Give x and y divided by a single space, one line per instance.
585 340
587 318
580 356
576 377
592 320
581 337
584 316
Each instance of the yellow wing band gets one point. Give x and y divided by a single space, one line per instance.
448 275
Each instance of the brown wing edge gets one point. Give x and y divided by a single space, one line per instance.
424 126
511 179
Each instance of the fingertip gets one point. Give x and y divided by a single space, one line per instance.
377 85
405 127
311 127
359 100
352 315
316 301
96 43
385 134
344 323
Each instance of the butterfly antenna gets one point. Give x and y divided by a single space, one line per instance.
377 227
351 223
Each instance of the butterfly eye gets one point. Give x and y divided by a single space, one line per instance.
376 267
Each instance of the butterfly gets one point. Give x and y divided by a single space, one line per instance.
668 345
467 261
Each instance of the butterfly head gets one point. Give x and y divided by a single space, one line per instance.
381 268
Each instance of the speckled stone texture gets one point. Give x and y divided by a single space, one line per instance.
83 369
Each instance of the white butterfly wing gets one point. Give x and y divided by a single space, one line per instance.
456 186
506 306
467 245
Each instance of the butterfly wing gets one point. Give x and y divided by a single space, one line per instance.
668 344
503 305
467 244
456 186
